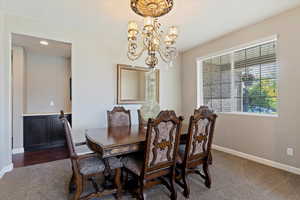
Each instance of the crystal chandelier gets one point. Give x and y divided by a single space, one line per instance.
153 40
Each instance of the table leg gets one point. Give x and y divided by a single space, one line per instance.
118 184
108 183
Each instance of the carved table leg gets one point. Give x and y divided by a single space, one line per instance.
118 184
108 184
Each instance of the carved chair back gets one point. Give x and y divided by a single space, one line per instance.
162 141
200 136
70 144
119 116
203 110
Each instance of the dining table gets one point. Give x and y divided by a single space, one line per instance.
114 141
118 141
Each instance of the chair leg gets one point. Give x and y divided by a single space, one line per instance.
72 184
141 189
186 191
126 177
172 184
207 174
79 187
210 160
118 182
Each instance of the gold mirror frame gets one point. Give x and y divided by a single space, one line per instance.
119 81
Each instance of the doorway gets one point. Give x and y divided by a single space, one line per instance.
41 88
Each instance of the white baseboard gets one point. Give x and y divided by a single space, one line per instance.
6 169
257 159
18 150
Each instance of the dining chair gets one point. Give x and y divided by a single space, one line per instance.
119 116
197 150
159 159
86 167
204 110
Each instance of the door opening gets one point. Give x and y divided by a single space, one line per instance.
41 87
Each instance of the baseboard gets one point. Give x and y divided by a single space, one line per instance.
260 160
6 169
18 150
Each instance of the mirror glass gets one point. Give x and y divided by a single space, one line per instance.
132 84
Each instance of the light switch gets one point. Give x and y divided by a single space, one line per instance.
51 103
290 151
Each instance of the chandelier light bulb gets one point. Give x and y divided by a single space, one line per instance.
148 23
168 40
133 28
173 32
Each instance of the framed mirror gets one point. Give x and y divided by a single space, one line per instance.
133 83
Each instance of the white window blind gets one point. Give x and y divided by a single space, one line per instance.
242 81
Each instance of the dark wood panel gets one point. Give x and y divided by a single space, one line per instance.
35 132
43 132
56 130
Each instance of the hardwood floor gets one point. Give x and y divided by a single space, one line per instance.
37 157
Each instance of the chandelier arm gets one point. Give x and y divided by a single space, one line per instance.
164 56
135 56
146 42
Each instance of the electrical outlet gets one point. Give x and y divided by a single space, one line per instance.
290 151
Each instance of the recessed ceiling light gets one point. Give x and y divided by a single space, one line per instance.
43 42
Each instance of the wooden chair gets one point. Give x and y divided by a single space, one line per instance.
197 149
159 160
119 116
205 110
86 167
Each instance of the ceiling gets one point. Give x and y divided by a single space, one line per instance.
199 20
32 44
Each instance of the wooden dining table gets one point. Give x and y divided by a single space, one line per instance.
116 141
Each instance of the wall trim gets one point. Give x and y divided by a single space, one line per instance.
6 169
257 159
18 150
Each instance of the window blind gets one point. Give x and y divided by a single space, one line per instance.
242 81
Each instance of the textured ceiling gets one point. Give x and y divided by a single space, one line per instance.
199 20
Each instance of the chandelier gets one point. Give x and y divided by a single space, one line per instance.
151 38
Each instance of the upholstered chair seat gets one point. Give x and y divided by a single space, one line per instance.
92 165
181 152
133 164
114 162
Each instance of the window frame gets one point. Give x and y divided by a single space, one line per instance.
231 52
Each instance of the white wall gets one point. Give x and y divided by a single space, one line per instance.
5 101
94 71
47 80
266 137
18 83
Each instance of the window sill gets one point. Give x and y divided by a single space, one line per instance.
249 114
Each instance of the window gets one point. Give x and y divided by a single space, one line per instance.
242 81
